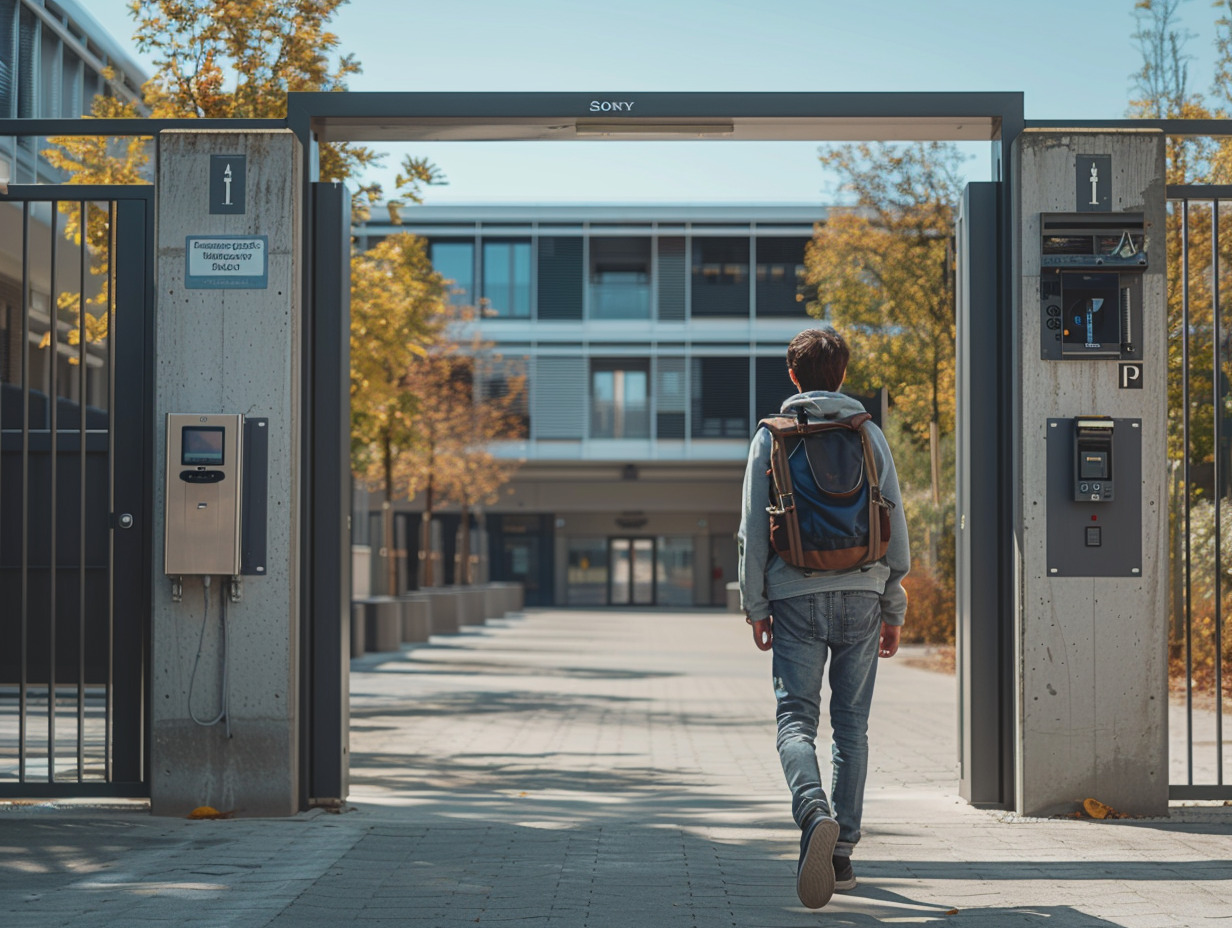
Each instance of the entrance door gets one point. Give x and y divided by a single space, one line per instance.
632 563
75 477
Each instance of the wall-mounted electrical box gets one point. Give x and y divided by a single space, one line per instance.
205 456
1091 268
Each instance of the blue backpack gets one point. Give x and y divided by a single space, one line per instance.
826 508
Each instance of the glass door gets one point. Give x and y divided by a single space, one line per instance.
632 563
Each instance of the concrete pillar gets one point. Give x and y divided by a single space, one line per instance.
1092 688
494 601
416 617
383 623
359 630
444 607
230 351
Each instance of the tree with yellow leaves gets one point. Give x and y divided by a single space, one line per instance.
883 270
217 59
399 308
470 400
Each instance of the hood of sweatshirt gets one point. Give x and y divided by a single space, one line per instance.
821 405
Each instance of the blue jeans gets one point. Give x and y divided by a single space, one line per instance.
844 627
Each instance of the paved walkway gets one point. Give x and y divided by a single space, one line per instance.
601 770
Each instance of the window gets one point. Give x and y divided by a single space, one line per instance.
506 278
503 382
674 570
720 277
586 572
620 278
620 399
721 397
780 277
773 385
455 261
559 292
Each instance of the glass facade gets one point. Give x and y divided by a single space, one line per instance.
632 561
620 278
506 278
586 572
620 399
455 261
674 571
780 277
720 394
721 276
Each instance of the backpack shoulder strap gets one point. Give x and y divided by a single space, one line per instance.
875 500
782 492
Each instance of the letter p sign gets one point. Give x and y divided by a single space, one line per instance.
1130 376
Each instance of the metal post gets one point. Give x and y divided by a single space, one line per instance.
81 497
1217 407
1188 493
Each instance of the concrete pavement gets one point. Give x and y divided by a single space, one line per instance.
600 770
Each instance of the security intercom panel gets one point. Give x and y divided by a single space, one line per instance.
1093 450
1091 268
204 466
1092 530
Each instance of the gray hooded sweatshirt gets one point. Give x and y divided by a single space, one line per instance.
764 576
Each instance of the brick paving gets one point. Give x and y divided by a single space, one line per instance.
601 770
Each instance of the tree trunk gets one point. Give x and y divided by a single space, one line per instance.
425 537
387 520
464 545
934 462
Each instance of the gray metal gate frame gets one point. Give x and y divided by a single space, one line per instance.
322 117
131 491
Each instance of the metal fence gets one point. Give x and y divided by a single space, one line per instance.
73 322
1199 443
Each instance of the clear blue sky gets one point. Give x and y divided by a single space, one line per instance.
1071 59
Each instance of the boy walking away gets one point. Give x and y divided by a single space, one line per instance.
811 616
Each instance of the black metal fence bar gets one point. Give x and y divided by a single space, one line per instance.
83 402
108 723
53 405
1189 731
24 579
1216 406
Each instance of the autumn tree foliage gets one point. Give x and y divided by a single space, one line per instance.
1162 89
470 400
883 273
218 59
399 307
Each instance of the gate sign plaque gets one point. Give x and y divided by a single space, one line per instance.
227 262
228 183
1093 184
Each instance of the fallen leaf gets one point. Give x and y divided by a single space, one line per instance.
209 812
952 912
1097 809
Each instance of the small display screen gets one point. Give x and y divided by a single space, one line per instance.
202 445
1090 314
1093 465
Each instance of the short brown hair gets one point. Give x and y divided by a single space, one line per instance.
818 357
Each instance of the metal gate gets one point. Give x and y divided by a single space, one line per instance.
1200 488
75 390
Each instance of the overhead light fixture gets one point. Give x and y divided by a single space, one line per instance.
602 127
